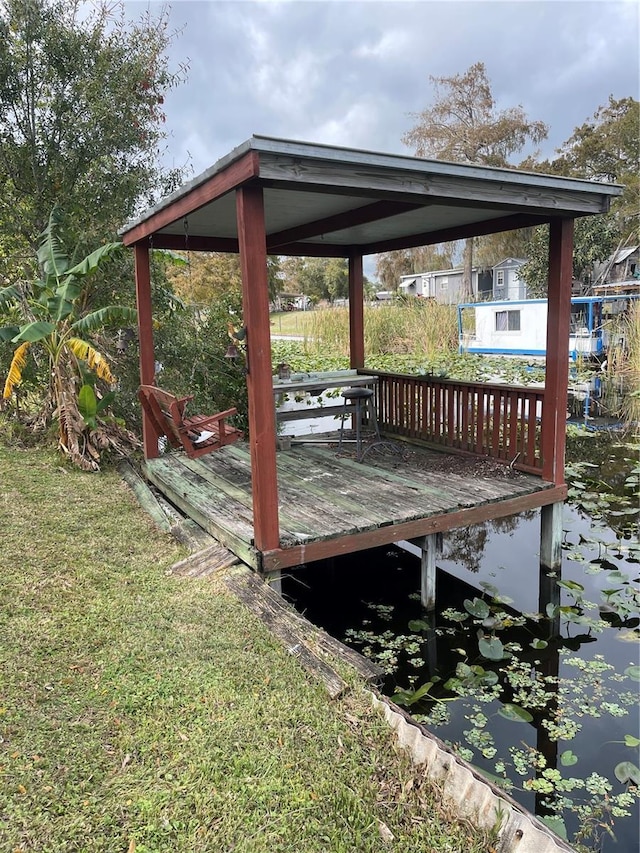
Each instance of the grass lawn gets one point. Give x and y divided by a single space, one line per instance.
144 712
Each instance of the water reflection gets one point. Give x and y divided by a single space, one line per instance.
378 592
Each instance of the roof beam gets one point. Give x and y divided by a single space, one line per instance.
193 243
347 219
238 173
461 232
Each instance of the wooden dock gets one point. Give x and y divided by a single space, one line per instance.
330 504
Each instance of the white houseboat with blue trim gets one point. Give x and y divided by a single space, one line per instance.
519 327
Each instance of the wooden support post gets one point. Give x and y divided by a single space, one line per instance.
551 537
262 417
274 579
554 410
356 311
145 338
431 547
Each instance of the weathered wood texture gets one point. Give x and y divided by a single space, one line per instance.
356 311
497 421
313 647
557 363
213 558
255 306
332 505
145 339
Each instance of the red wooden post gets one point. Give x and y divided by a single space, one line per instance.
356 311
554 412
255 307
145 338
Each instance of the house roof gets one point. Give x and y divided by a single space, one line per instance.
324 200
623 254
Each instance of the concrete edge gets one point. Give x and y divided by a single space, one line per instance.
474 798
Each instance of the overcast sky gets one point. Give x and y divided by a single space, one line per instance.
350 73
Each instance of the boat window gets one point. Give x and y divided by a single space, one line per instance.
507 321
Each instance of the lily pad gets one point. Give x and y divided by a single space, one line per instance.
626 771
515 713
631 740
539 644
568 758
477 607
633 672
491 648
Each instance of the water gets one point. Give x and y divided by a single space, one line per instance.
361 596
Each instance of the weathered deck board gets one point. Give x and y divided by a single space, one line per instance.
325 497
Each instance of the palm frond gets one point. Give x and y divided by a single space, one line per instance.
95 360
14 377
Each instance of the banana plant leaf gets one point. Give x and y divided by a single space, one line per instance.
104 316
8 333
9 294
52 255
33 332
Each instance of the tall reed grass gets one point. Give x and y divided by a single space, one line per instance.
422 328
624 366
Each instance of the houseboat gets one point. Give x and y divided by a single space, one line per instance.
519 327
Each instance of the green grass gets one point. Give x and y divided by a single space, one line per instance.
294 323
143 712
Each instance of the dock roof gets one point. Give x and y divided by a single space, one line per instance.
328 201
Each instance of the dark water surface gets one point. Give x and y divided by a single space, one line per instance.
378 591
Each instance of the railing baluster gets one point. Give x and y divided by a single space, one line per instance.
491 420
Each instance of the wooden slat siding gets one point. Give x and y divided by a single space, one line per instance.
142 273
356 311
233 176
473 417
262 420
557 362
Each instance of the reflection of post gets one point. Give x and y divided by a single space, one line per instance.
431 547
549 665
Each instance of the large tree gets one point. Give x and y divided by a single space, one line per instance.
604 148
463 125
81 119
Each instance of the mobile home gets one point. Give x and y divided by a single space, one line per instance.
519 327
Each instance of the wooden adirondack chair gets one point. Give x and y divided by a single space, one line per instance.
198 434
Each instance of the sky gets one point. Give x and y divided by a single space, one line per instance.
352 72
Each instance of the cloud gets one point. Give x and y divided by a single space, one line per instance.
351 73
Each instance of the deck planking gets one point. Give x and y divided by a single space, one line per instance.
323 496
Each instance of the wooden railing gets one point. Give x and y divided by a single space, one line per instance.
498 421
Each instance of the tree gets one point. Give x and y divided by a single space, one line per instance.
81 117
464 126
604 148
53 320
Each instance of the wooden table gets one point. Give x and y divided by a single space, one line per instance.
315 384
